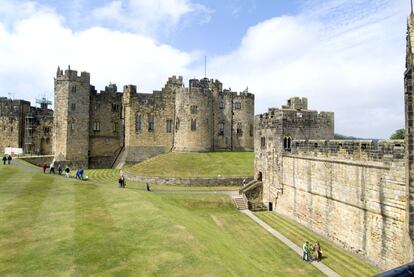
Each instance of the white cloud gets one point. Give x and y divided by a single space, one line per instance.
150 17
32 49
351 64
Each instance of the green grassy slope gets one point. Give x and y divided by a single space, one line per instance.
196 165
52 226
336 258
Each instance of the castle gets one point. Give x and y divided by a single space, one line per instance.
25 126
357 193
104 129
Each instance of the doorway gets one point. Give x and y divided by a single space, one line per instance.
270 207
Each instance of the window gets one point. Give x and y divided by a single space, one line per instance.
221 104
73 107
263 142
46 130
287 141
96 126
74 89
169 125
193 125
221 129
239 131
193 109
138 123
237 105
115 108
177 124
72 125
151 123
251 130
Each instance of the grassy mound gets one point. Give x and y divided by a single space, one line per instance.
210 164
53 226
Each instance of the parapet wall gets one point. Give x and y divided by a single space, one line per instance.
383 150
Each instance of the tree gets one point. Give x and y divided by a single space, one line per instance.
398 134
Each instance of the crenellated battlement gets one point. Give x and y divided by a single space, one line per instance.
72 75
383 150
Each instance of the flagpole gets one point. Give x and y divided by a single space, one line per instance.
205 66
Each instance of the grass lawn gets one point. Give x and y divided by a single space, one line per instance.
53 226
209 164
336 258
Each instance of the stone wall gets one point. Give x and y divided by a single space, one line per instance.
409 136
359 205
38 160
12 114
188 182
105 126
141 111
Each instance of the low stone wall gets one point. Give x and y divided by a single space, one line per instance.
189 182
38 160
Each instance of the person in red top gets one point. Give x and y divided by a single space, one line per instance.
44 166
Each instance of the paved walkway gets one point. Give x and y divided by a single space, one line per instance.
326 270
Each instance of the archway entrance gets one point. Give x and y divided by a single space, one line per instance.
259 176
270 206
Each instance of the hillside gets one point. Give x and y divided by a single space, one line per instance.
210 164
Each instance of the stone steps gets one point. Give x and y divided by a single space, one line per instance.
240 203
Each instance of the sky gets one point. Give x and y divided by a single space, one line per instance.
345 56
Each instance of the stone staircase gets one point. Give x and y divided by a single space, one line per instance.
252 184
240 203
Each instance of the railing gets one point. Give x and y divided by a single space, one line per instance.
257 206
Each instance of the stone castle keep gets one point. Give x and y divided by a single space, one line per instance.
101 130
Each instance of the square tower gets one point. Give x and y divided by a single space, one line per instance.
71 117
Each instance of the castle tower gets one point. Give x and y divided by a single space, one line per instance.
243 121
194 117
409 135
71 117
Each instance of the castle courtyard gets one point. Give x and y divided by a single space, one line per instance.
54 226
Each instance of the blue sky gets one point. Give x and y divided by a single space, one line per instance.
346 56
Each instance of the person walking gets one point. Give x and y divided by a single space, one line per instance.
4 159
306 251
60 169
44 166
52 167
9 158
317 251
123 181
120 182
148 187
